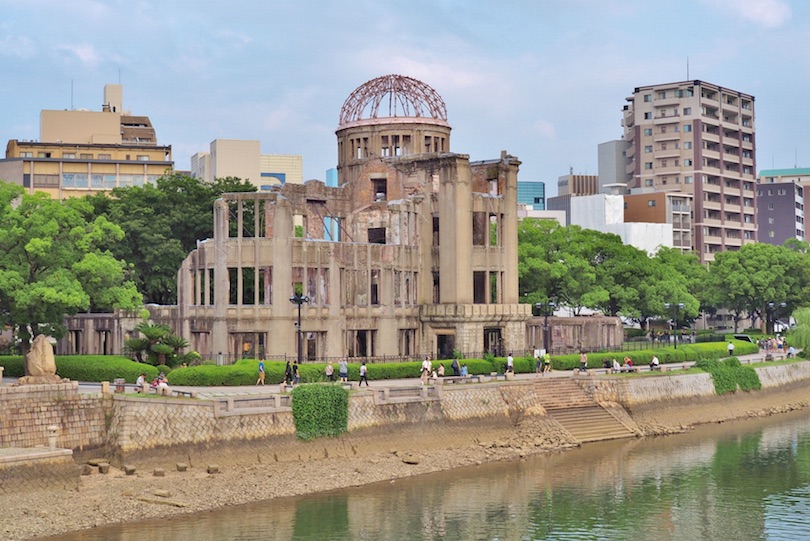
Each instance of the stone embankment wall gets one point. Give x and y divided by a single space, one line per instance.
26 412
139 424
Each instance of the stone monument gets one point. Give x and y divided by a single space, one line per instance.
40 366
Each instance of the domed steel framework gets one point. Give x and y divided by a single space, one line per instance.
406 97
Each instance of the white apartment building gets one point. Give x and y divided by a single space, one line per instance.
698 138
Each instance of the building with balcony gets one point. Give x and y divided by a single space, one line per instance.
697 138
82 152
673 208
243 159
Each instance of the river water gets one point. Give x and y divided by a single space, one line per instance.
741 481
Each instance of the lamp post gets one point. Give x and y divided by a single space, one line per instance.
770 311
675 307
299 299
548 309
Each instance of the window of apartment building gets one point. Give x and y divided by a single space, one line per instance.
651 202
770 220
746 138
142 158
69 155
104 157
687 179
687 145
677 180
781 191
687 111
677 162
770 191
43 154
747 170
770 206
663 146
648 165
647 97
647 131
647 116
663 129
687 128
687 162
26 154
86 156
662 94
663 163
648 182
376 235
748 219
648 149
771 233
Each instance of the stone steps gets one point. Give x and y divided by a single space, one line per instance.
561 393
591 424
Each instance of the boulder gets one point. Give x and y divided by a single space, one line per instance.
40 366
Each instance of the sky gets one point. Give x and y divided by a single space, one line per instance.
544 80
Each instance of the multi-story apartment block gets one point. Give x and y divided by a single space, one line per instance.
82 152
781 197
532 194
673 208
698 138
243 159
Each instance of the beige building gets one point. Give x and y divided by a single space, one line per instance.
697 138
243 159
425 259
82 152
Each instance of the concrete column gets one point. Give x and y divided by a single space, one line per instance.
455 230
219 326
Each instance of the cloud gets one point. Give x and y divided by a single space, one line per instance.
767 13
17 46
86 54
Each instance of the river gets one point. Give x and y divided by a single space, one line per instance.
744 480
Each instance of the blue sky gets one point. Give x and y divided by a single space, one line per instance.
544 79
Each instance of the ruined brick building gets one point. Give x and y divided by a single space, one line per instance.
414 252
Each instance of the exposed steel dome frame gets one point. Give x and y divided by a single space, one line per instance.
406 97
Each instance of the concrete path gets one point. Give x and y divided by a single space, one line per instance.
258 390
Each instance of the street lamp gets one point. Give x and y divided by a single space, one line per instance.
675 307
299 299
770 311
548 309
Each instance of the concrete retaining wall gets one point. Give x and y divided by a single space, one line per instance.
27 410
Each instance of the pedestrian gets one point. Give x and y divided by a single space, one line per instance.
440 371
330 371
363 374
288 374
427 368
455 366
139 382
343 370
730 348
583 362
655 364
538 361
547 363
296 375
510 363
260 381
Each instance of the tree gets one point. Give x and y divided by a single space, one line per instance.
163 223
158 343
54 262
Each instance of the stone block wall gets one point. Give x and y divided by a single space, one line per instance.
26 412
778 376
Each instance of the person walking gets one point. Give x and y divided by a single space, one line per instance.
343 370
583 362
538 361
547 363
456 367
510 363
730 348
260 381
288 374
427 367
295 374
363 374
329 371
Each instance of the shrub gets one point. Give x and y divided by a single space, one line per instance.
728 374
320 410
86 367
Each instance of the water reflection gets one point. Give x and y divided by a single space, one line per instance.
741 481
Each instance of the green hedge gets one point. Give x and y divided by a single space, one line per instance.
729 374
683 353
320 410
86 367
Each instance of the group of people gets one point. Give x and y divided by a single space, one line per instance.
542 361
160 382
627 366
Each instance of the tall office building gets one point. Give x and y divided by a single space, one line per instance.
532 193
699 138
243 159
781 198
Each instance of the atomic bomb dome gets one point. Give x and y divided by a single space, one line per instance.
404 97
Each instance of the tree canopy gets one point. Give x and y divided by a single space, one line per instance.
162 224
56 260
